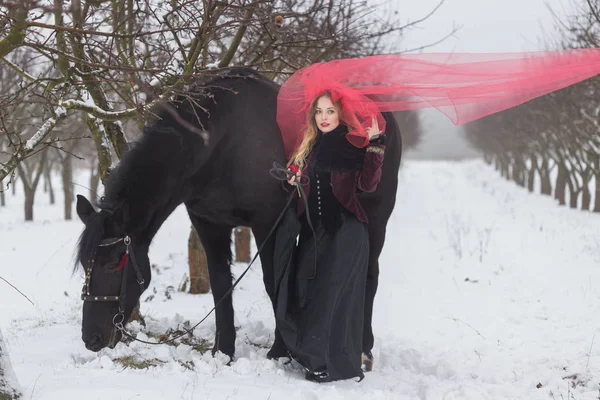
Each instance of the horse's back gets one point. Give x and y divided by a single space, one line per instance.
242 119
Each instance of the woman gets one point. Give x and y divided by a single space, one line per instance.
320 296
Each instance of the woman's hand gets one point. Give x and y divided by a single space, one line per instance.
294 179
373 130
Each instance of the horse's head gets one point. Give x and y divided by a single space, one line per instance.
117 271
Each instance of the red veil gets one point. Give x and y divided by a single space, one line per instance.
464 87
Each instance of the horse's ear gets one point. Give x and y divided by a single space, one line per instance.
84 208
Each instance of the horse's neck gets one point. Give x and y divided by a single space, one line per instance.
159 216
154 193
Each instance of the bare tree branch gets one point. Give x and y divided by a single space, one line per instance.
112 62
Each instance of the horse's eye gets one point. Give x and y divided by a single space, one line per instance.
111 266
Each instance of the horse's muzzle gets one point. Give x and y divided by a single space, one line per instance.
94 343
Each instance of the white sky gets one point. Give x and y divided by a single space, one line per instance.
485 26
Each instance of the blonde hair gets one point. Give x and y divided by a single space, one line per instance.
310 132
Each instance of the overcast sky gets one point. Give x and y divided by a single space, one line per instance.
485 26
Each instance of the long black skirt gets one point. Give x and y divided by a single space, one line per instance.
320 306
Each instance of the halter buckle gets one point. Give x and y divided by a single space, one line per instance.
118 320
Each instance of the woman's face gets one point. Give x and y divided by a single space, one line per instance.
326 115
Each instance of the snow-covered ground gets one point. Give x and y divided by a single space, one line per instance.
486 292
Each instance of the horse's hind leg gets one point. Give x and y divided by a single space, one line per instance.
216 240
376 241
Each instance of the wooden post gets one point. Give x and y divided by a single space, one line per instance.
242 244
199 279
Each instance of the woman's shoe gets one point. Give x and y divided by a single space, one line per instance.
318 377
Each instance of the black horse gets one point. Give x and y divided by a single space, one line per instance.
211 151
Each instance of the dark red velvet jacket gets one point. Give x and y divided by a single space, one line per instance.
347 184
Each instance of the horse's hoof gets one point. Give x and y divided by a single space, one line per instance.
367 361
227 353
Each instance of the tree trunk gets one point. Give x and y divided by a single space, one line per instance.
94 180
597 191
573 189
30 184
2 195
519 171
545 177
102 150
29 201
561 184
596 171
199 279
9 385
586 196
48 182
531 173
67 178
242 244
504 170
597 196
573 197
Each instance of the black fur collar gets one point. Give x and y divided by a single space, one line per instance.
333 152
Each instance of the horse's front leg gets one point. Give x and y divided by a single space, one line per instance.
216 240
376 240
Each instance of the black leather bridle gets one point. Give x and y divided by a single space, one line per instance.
121 298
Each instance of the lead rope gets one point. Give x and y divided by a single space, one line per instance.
280 173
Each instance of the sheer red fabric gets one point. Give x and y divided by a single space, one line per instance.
463 86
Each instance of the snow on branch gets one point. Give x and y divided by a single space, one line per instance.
98 112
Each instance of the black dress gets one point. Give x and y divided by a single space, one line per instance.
320 282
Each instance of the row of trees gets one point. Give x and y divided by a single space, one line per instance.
554 138
557 133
